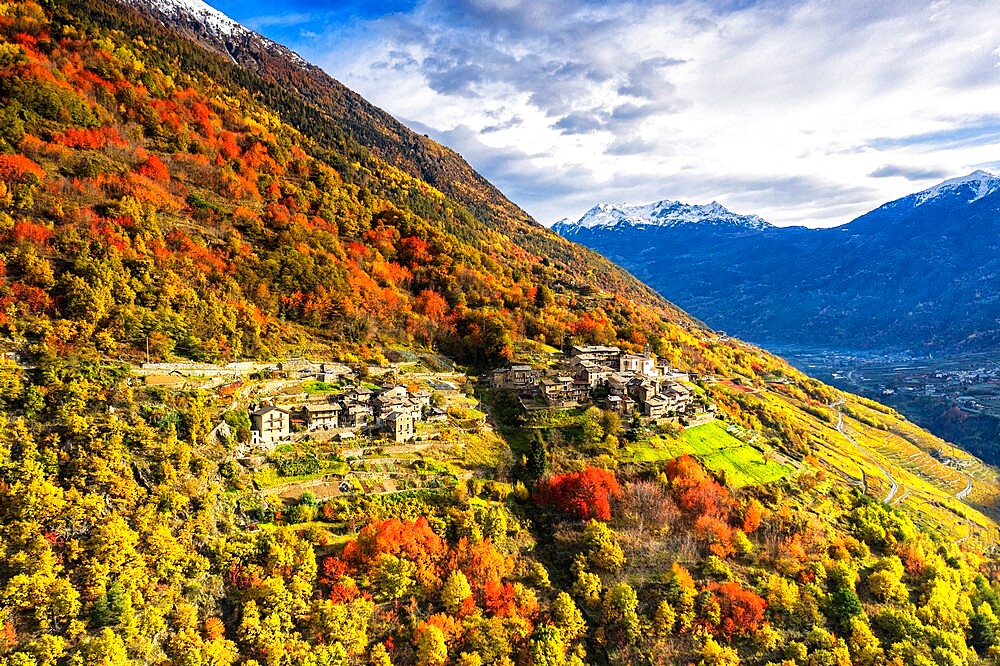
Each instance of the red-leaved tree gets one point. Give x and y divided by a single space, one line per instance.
584 495
695 491
741 611
19 169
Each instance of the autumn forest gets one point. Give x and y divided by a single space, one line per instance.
160 203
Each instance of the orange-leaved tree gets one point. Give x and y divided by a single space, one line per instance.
584 495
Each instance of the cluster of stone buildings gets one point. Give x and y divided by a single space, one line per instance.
392 410
324 371
619 381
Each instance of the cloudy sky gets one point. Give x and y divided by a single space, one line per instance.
809 112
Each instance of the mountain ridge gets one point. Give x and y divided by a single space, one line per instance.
664 213
330 112
843 285
983 184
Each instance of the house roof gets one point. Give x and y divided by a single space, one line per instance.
267 409
317 409
595 349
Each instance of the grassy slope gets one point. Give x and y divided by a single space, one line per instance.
742 463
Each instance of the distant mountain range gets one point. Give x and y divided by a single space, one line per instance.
664 213
918 273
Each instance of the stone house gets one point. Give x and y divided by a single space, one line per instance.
656 407
598 353
323 415
358 394
436 414
592 373
269 425
557 391
355 415
672 399
620 404
396 399
639 364
516 377
422 398
399 424
678 395
641 389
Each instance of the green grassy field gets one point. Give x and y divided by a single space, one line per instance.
718 450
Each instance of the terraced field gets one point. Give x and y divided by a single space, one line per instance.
933 477
742 463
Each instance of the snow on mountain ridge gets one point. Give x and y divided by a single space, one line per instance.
665 213
983 184
224 29
209 16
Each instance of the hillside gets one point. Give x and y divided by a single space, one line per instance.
914 274
339 120
178 229
290 228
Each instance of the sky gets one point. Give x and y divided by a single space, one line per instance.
805 112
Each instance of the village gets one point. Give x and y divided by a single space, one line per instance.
620 382
391 412
300 398
410 421
331 430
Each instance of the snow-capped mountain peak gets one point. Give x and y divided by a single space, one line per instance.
215 29
202 12
978 184
664 213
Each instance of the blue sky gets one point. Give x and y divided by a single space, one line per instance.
289 21
804 112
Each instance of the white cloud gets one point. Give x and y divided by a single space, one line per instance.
803 112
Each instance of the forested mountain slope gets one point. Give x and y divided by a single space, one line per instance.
155 195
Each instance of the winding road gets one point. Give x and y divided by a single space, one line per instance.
894 487
964 492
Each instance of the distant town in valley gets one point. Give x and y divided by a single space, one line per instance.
938 392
